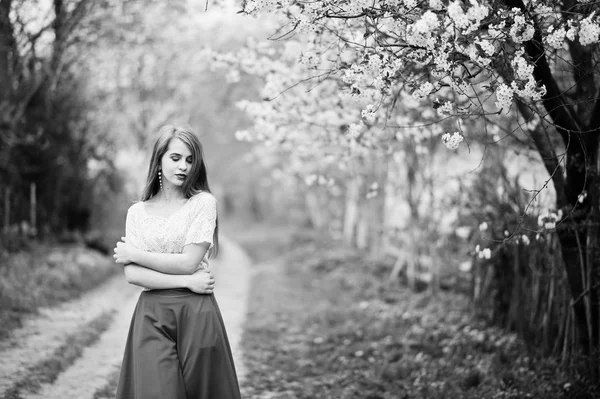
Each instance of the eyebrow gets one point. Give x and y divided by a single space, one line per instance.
176 153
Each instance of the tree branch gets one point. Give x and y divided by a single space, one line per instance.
561 113
549 157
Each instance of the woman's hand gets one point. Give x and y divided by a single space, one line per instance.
201 282
124 252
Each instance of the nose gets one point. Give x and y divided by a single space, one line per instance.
182 165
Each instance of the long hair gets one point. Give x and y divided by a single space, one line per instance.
196 181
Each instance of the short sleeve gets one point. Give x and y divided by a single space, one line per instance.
131 229
204 220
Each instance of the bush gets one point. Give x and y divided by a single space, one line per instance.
46 276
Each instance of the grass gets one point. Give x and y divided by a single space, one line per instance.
46 371
326 323
45 276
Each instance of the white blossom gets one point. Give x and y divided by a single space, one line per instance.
233 76
572 31
452 141
548 220
504 96
483 227
470 20
556 39
522 68
355 129
410 3
310 179
243 135
487 46
589 31
423 91
369 113
521 31
485 253
436 4
446 108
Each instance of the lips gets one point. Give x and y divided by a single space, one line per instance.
180 176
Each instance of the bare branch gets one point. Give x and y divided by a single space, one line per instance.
549 157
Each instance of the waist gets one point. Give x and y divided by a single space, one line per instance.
169 292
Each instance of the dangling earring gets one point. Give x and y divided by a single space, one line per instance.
160 180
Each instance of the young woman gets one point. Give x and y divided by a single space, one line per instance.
177 346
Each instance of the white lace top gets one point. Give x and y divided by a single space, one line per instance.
193 223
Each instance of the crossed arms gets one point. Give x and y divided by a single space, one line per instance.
156 270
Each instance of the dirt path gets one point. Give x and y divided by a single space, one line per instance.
40 337
232 274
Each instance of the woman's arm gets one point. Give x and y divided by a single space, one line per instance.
186 262
200 282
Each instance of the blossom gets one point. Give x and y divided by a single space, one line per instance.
412 49
522 68
548 220
589 31
471 19
465 266
233 76
572 31
310 59
445 108
310 179
352 74
436 4
243 135
423 91
452 141
487 46
355 129
556 38
485 253
521 31
369 113
504 96
532 124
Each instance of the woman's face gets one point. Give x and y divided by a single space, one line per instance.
176 163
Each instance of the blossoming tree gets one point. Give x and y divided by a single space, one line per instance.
352 66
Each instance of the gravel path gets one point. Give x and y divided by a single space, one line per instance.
40 336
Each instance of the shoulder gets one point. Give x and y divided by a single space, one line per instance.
203 197
203 200
136 207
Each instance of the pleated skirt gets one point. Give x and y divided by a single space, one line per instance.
177 348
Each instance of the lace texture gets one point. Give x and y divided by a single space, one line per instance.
193 223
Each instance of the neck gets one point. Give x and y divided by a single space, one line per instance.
171 194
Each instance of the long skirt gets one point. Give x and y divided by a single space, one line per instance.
177 348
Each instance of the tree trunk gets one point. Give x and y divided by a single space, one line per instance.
6 55
351 210
7 193
378 209
579 128
579 239
314 208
